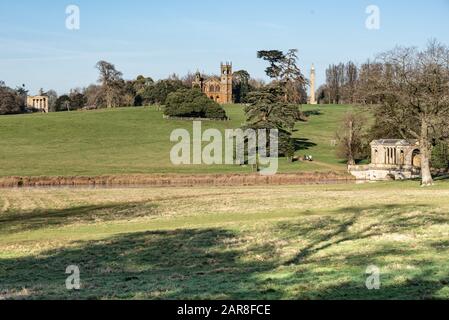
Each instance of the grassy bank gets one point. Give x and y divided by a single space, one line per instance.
303 242
135 141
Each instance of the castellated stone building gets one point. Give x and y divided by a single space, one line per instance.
39 103
218 89
391 159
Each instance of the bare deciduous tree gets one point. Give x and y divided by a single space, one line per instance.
335 82
413 93
111 81
351 137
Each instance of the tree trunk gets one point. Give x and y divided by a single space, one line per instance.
351 160
426 175
109 98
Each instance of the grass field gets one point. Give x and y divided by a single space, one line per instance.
303 242
135 141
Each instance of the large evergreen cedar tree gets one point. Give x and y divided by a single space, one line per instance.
266 110
274 58
292 79
275 106
412 89
284 70
192 103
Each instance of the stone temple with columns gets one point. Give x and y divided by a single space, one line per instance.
39 103
391 159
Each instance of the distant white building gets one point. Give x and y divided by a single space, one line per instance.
39 103
391 159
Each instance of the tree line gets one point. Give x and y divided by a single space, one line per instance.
346 83
272 105
112 91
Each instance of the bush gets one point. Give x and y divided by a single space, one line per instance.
62 103
157 93
10 101
192 103
77 101
440 156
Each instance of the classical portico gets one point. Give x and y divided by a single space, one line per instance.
39 103
391 159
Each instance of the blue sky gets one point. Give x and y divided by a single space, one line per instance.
158 38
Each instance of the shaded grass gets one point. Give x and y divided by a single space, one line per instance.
17 222
305 242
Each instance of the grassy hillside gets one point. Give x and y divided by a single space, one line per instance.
133 140
306 242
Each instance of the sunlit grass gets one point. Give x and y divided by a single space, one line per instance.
289 242
136 141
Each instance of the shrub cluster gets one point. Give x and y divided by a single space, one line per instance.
192 103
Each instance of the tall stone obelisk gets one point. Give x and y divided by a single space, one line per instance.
312 86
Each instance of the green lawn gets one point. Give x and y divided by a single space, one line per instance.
287 242
134 141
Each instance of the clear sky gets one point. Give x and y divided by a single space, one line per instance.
157 38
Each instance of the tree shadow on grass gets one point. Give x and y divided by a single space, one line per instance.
323 234
303 144
426 279
442 177
183 264
315 112
219 264
13 222
423 285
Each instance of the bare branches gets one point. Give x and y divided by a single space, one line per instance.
412 90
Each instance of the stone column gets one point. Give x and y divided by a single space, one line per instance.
312 86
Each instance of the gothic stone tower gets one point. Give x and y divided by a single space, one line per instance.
198 82
218 89
226 83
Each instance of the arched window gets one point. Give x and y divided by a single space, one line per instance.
416 158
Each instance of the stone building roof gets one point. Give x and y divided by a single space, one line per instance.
395 142
212 79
